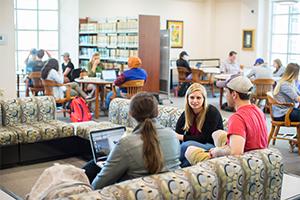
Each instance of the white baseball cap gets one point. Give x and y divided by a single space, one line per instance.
240 84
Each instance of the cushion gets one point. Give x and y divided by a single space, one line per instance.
46 108
8 136
11 112
29 109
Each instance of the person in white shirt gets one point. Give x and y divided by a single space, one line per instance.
260 70
51 71
230 66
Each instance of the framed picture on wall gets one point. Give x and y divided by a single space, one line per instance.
176 32
248 39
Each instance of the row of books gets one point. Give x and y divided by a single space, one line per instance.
109 54
107 65
87 52
91 39
111 27
89 27
118 41
122 53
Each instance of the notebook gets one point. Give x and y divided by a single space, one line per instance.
103 141
109 75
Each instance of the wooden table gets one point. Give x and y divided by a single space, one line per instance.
222 77
98 82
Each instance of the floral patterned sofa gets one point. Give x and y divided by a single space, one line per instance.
29 130
255 175
118 116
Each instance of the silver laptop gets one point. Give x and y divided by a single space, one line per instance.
109 75
103 141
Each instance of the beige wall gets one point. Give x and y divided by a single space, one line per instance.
7 51
190 11
69 28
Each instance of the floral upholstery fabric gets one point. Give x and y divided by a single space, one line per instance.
11 112
29 109
254 175
31 119
46 108
83 129
7 136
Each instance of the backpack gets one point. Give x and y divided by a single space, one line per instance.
183 88
59 181
79 110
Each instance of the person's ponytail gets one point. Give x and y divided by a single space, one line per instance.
153 157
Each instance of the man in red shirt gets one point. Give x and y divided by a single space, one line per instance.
247 128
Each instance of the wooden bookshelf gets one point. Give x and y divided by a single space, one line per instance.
118 39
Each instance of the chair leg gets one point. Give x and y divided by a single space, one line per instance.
212 90
276 132
64 109
298 138
271 134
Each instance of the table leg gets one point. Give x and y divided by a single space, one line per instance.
18 85
221 97
97 102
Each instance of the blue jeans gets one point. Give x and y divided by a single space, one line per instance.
294 116
185 145
109 95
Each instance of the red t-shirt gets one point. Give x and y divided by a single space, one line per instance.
250 123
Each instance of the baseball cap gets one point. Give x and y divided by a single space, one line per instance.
240 84
222 84
259 61
33 51
183 53
66 54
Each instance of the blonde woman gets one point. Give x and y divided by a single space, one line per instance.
94 66
197 123
287 92
279 68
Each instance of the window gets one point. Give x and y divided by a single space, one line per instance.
36 26
285 33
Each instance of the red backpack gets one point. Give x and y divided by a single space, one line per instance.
79 110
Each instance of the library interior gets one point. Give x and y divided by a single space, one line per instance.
162 99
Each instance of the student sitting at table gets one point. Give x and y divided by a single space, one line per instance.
183 62
135 72
94 67
279 68
51 71
260 70
230 65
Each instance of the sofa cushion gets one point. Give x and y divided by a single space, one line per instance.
63 129
11 112
83 129
164 114
8 136
46 108
174 118
27 133
29 109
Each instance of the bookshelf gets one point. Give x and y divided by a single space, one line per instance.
116 39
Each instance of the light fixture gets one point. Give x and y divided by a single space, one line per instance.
286 2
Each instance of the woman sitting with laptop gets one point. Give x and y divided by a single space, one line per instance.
135 72
150 149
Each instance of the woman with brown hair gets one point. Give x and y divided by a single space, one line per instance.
197 123
279 68
150 149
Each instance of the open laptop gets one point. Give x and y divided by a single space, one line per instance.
109 75
103 141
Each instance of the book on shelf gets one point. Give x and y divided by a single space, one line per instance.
88 27
88 40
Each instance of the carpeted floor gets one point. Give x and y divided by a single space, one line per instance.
20 179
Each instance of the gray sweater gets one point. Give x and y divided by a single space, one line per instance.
126 159
288 93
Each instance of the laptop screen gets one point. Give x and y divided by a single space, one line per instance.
103 141
109 75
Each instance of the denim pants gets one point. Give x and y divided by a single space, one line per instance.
294 116
185 145
109 95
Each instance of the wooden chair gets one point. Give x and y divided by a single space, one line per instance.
132 87
274 133
182 74
262 86
199 76
48 85
37 85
